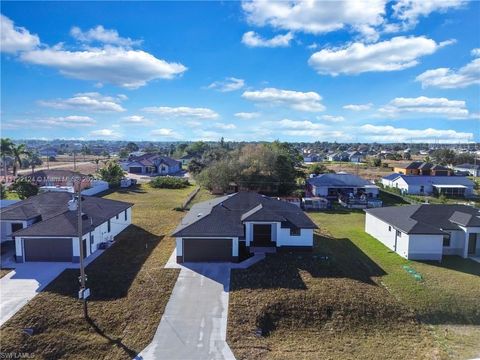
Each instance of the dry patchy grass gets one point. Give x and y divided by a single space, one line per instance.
130 289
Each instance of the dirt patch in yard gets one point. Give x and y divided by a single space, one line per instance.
304 306
4 272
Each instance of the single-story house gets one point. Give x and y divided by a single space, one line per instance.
218 229
350 156
422 169
427 231
471 169
152 164
458 186
45 227
335 185
57 177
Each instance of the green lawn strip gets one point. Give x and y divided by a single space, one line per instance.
130 289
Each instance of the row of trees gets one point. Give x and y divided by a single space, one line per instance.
450 157
19 156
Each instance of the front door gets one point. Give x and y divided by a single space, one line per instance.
262 235
472 243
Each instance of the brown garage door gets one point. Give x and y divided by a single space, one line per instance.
197 250
48 249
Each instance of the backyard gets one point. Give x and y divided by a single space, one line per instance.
360 303
130 289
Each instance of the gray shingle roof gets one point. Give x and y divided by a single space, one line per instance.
437 180
55 219
428 218
224 216
340 180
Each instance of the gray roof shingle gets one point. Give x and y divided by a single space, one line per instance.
224 216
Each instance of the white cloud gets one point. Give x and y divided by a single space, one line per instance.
165 133
426 106
358 107
252 39
223 126
303 101
105 134
89 102
247 115
115 65
391 134
71 121
305 129
475 52
102 35
446 78
182 111
318 17
395 54
15 38
331 118
227 85
409 11
136 120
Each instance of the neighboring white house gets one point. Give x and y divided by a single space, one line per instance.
471 169
426 232
218 229
152 164
459 186
45 227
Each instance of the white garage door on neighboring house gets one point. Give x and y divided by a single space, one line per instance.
48 249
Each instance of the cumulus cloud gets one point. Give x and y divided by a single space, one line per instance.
446 78
165 133
15 38
136 120
305 128
331 118
182 111
115 65
88 102
398 53
247 115
387 133
105 134
475 52
409 11
227 85
297 100
51 122
426 106
223 126
102 35
358 107
252 39
318 17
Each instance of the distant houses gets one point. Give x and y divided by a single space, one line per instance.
454 186
347 156
422 169
470 169
152 164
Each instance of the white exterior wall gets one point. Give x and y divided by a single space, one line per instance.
285 239
320 190
457 243
380 231
425 247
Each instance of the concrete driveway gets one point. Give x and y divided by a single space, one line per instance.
194 325
24 282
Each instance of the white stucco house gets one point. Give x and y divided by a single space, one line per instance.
152 164
45 227
219 229
458 186
427 231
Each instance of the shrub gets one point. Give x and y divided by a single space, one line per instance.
24 188
169 182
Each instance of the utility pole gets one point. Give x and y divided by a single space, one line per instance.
82 291
74 161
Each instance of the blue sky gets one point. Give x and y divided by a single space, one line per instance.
295 71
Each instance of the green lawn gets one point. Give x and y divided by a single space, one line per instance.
449 293
130 289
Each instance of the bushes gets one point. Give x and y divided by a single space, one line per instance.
169 182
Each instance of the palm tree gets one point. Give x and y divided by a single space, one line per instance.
5 150
17 152
33 159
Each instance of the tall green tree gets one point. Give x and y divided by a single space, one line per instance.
32 159
18 151
112 173
5 150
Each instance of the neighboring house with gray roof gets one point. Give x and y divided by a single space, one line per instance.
471 169
427 231
458 186
45 227
216 230
152 164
